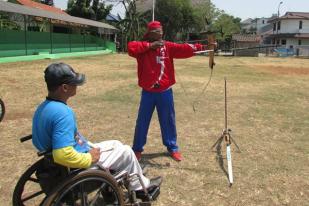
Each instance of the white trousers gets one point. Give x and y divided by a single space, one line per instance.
119 157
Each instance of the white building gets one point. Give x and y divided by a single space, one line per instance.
291 30
254 25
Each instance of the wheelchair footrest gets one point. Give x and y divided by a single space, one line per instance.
154 194
151 196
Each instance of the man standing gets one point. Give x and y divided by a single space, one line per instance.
54 128
156 75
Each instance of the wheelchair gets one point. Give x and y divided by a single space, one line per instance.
47 183
2 109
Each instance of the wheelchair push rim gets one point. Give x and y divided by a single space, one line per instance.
77 190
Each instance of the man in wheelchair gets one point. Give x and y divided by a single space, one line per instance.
54 129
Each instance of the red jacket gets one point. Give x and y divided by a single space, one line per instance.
157 66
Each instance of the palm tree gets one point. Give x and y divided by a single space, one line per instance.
134 23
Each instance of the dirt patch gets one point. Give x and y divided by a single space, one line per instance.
280 70
15 116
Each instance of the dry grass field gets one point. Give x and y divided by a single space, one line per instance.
268 101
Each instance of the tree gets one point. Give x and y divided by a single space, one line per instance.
95 10
227 25
7 23
133 25
205 14
47 2
175 15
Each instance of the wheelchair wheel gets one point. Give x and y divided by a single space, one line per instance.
90 187
2 110
27 190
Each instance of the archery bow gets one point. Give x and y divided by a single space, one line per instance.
211 54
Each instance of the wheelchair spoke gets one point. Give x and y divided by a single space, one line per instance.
24 199
83 193
34 180
92 203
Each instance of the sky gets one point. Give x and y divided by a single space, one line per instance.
242 8
260 8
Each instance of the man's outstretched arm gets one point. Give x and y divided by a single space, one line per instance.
184 50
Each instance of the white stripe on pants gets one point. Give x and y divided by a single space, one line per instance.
119 157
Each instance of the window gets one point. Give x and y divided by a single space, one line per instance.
279 25
300 24
283 41
299 42
263 22
274 27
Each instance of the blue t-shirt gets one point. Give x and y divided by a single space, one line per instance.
54 127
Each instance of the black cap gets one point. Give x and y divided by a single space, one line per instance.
61 73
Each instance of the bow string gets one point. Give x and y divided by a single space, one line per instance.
211 54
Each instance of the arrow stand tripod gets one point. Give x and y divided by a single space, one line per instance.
227 137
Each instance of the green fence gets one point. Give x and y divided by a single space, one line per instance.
20 43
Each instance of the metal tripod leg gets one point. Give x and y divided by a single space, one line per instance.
232 140
219 141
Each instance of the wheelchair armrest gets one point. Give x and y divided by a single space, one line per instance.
41 153
23 139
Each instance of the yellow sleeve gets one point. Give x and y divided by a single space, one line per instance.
69 157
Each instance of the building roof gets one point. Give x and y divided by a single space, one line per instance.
295 15
37 5
16 8
292 15
111 17
247 21
246 37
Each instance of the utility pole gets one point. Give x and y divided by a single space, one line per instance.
281 2
278 21
153 9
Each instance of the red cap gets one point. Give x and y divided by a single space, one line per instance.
152 26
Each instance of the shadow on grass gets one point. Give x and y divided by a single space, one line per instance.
149 160
219 156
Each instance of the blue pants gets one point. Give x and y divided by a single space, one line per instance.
164 103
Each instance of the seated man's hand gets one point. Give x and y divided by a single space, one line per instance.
95 154
156 44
